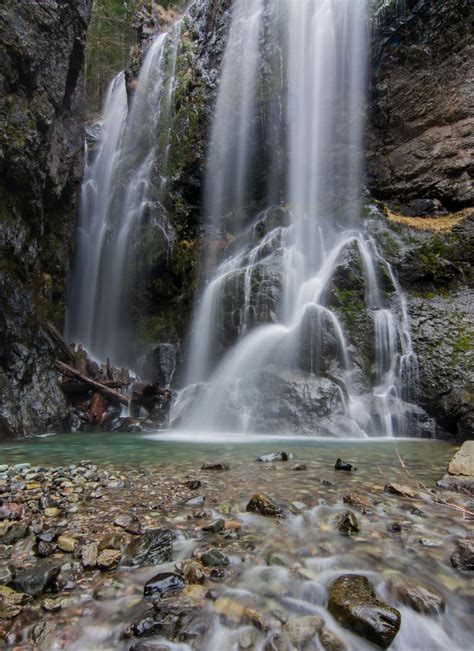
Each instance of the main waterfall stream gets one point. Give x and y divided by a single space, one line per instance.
272 347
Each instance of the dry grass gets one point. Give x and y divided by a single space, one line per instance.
442 224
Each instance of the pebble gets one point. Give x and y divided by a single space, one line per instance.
401 490
163 583
52 512
196 501
217 467
129 522
264 505
214 527
108 559
90 555
348 524
214 558
67 543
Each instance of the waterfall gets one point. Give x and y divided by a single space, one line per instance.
278 331
123 192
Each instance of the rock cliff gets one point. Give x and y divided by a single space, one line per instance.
419 163
42 48
421 135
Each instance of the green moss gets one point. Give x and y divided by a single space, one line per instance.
351 304
389 243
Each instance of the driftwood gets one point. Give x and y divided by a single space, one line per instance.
112 394
60 342
97 409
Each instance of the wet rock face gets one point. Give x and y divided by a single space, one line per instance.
434 269
442 338
421 118
355 605
42 51
300 402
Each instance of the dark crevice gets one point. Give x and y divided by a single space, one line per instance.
75 67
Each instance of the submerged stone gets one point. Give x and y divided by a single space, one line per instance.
264 505
358 501
348 524
330 641
302 629
163 583
421 597
129 522
196 501
214 558
152 548
214 527
462 557
353 602
401 490
193 484
275 456
343 465
36 579
217 467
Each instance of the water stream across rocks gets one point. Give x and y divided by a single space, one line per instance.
96 532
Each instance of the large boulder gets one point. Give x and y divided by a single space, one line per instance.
460 475
276 400
353 602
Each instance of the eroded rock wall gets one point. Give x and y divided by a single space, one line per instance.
42 47
421 135
420 163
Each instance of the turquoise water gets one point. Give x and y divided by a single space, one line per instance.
373 458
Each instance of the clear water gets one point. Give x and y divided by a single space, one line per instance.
168 448
314 552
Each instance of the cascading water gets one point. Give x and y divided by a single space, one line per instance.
124 190
276 343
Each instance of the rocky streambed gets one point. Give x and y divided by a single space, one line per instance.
209 548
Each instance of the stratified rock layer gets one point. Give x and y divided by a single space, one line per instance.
421 115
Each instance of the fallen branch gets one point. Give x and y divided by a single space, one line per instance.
435 500
455 507
60 342
114 396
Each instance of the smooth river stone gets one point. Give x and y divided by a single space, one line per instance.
353 602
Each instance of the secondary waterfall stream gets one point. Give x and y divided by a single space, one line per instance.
124 189
274 312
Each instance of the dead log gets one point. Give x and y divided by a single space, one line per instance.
60 342
112 394
112 375
80 360
97 409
